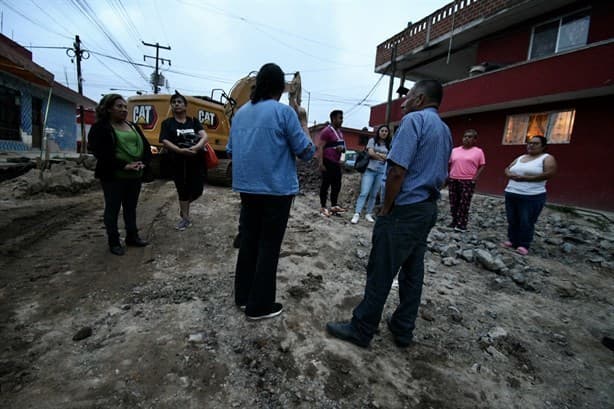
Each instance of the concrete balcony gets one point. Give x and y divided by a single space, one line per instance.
581 73
421 48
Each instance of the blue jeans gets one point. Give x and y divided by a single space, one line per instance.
399 241
522 212
369 186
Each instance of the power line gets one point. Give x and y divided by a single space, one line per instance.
272 37
36 23
119 10
160 20
315 97
251 22
120 59
339 101
116 74
366 96
174 71
84 8
50 16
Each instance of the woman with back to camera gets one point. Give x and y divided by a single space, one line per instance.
525 194
122 153
184 137
371 180
266 137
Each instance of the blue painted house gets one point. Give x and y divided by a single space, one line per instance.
25 90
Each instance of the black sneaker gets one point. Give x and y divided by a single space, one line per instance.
275 311
117 249
136 242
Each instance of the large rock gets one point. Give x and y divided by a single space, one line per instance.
488 261
467 255
448 251
566 289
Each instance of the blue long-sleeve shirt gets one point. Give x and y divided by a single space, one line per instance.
265 139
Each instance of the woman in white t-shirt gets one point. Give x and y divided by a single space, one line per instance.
525 194
377 147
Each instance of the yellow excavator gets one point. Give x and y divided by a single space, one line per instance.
214 112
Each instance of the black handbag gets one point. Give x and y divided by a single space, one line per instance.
362 161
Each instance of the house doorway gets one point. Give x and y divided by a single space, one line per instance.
10 114
37 122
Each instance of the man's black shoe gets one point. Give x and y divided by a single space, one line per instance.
136 242
236 243
345 331
397 341
117 249
608 343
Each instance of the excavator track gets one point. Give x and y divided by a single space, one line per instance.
221 175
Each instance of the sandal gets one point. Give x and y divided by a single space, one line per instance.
523 251
324 212
338 209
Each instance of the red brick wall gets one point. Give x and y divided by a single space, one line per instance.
602 18
441 23
516 47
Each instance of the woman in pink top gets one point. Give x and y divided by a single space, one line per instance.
466 164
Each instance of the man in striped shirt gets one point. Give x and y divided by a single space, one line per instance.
417 168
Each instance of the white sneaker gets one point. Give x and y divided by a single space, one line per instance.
370 218
355 218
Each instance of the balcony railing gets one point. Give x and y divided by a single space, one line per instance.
574 74
434 27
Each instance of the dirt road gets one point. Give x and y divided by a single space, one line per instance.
515 333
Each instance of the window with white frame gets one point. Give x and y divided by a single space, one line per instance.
562 34
556 126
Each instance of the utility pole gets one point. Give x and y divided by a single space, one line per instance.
80 55
156 73
393 66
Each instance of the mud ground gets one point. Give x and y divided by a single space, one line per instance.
523 333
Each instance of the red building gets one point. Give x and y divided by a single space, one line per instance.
514 68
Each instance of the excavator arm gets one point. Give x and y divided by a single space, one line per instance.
241 91
239 95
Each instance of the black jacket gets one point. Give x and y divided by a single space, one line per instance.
102 141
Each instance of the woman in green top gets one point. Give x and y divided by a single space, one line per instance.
122 153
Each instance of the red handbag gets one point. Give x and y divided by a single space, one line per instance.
211 159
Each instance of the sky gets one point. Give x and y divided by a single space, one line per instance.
214 43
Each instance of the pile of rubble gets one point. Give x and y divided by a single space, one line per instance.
59 177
